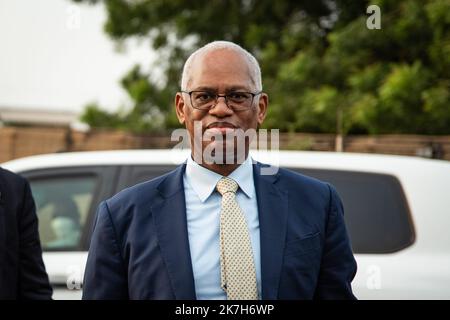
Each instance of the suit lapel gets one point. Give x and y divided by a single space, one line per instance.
273 212
171 226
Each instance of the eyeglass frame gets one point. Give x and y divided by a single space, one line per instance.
221 96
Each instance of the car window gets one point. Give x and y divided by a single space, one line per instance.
132 175
63 205
376 211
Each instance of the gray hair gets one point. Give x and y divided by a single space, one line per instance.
255 70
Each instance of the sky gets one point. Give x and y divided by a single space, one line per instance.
54 55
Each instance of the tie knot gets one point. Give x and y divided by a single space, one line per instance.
226 185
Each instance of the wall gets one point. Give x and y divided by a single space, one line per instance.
17 142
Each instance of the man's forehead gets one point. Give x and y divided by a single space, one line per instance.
206 83
229 68
221 55
224 87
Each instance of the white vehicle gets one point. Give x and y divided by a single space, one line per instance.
397 211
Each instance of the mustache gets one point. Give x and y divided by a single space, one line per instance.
221 124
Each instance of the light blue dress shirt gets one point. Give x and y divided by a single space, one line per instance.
203 205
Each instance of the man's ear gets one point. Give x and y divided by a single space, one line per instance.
179 107
263 104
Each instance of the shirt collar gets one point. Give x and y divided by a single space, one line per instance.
204 181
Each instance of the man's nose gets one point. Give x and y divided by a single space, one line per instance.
221 109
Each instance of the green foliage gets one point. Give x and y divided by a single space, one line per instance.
98 118
324 70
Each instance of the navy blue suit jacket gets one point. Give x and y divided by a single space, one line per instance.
139 247
22 271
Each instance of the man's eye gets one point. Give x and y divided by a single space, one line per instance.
238 96
204 96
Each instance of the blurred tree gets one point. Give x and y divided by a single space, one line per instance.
98 118
324 69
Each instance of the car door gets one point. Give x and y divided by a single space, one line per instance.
66 200
134 174
380 226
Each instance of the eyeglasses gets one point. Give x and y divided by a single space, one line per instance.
236 100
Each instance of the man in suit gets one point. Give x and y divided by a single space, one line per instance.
216 229
22 271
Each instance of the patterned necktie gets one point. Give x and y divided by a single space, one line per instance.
237 268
